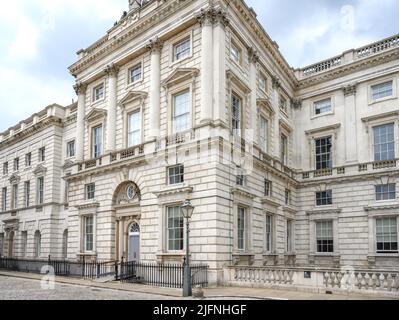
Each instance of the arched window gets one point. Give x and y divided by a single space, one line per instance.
38 244
65 244
134 228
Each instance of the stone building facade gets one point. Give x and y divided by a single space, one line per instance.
193 100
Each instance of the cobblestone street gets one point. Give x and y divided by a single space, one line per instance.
26 289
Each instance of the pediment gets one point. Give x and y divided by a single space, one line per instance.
232 77
266 103
180 75
95 114
67 164
40 170
133 96
14 178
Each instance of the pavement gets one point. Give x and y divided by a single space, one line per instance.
27 286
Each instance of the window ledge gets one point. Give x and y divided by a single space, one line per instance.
384 255
372 102
176 257
331 113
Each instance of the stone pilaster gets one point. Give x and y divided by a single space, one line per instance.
206 20
350 124
112 72
253 73
219 65
155 47
80 90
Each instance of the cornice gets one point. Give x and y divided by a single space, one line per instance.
88 206
347 69
323 211
173 191
107 45
381 116
391 206
243 192
271 202
327 128
43 124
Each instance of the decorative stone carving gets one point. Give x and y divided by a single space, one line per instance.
350 89
128 193
276 82
40 170
296 103
211 16
155 45
253 55
80 88
14 179
111 70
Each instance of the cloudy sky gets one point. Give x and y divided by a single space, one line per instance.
39 39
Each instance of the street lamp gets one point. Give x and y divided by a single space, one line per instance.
187 210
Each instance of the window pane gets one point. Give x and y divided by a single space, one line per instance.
182 49
382 90
323 150
134 129
175 229
323 106
236 114
384 142
387 235
135 73
324 236
241 229
263 134
181 112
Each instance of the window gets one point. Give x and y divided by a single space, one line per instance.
268 188
324 198
182 49
98 93
263 136
16 164
323 153
323 106
5 168
283 149
384 142
4 199
88 223
324 237
382 90
42 154
289 235
38 244
28 159
283 103
24 236
235 53
90 191
40 190
71 149
287 197
241 228
27 193
1 244
97 141
269 233
175 226
176 174
181 111
263 83
387 235
15 196
135 73
240 180
65 245
385 192
134 129
236 114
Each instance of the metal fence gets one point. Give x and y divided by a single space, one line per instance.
153 274
88 270
162 275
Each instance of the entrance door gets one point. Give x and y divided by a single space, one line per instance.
11 245
134 243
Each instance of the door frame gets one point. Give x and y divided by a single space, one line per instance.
129 234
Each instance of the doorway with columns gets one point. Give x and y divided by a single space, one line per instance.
127 210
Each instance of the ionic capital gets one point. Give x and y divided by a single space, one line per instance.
80 88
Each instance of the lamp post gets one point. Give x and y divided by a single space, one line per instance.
187 210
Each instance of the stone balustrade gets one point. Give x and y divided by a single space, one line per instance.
350 169
337 280
349 57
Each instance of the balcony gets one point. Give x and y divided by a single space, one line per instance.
355 169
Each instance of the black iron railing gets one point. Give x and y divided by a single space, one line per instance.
162 275
153 274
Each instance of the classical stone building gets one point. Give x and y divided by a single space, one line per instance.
193 100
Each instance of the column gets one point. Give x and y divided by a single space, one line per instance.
206 21
253 60
80 89
350 124
155 88
219 65
112 72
